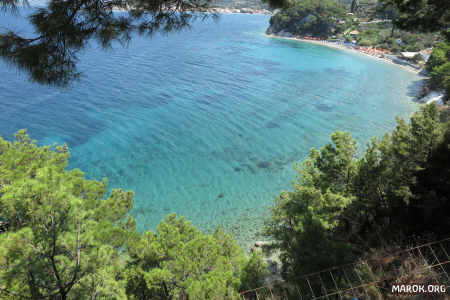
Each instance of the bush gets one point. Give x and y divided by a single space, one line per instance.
438 65
254 273
439 56
68 239
365 43
310 17
342 205
417 58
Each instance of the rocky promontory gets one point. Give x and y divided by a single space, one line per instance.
310 18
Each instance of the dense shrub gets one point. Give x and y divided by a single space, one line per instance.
341 206
68 239
309 17
438 65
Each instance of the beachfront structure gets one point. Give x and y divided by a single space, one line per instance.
409 54
354 33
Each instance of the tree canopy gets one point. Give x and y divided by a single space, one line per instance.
421 15
63 28
309 17
179 261
67 238
438 66
62 238
341 206
427 16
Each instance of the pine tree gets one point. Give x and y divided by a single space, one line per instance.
64 28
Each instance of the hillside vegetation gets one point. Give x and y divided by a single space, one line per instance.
342 205
334 19
381 35
383 24
438 67
240 4
311 18
67 238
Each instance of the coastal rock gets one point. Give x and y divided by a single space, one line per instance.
260 244
433 96
272 259
246 11
263 164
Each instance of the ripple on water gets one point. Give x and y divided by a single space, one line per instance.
209 129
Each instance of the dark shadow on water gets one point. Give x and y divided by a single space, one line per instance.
142 211
263 164
156 101
204 102
271 125
323 107
250 168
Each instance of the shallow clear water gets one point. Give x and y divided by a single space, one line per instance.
206 123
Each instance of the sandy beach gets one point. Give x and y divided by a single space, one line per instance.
348 48
249 11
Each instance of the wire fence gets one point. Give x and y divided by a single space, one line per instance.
426 264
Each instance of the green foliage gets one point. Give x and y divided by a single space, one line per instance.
381 35
302 220
64 237
343 205
178 260
385 205
68 239
301 224
254 272
439 56
440 77
333 167
438 65
420 15
63 28
309 17
365 43
418 58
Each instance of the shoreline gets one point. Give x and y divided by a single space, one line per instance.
246 11
222 10
348 48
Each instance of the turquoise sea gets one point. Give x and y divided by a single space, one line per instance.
207 123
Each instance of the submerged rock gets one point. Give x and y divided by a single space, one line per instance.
263 164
